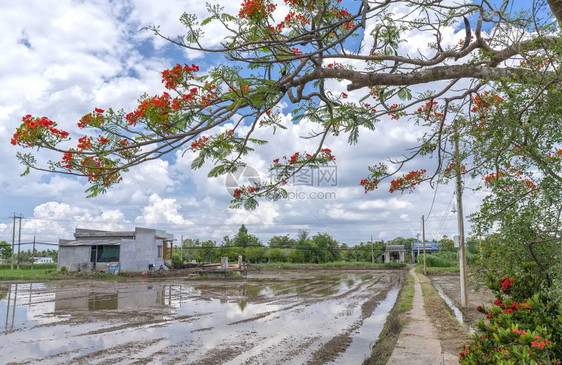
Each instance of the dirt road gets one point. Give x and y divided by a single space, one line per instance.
285 317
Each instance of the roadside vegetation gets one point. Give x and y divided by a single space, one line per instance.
452 334
46 272
329 265
446 261
382 349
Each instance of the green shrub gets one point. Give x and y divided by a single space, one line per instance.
63 269
471 258
527 332
441 259
394 265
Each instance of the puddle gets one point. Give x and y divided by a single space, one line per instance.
250 322
456 311
368 333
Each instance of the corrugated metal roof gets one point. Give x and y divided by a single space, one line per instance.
91 243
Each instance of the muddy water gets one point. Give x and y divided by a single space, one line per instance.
295 318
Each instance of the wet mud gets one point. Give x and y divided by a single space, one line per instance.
448 286
285 317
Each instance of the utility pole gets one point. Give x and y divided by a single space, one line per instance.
423 237
19 242
33 255
13 243
418 244
181 248
372 251
460 219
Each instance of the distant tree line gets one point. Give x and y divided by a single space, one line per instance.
25 255
305 248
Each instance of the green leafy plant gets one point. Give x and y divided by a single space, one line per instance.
526 332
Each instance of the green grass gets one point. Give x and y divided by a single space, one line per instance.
382 350
28 266
26 274
406 300
434 270
328 265
40 272
45 272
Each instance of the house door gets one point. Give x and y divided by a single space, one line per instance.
94 254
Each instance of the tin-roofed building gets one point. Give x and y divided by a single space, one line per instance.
130 250
430 247
395 253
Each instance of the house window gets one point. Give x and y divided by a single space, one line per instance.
160 251
105 253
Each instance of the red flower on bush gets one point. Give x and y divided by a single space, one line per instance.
505 283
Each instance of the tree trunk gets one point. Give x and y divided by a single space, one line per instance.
556 8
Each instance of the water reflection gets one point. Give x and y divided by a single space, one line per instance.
117 298
11 302
367 335
62 322
456 311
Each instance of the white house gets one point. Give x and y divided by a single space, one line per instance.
132 250
44 260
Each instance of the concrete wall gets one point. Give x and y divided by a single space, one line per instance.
402 256
71 257
137 254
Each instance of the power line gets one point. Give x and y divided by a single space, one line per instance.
433 201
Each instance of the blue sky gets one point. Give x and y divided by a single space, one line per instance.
63 58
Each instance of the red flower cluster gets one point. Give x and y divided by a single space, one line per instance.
465 352
369 184
540 342
92 119
519 332
160 104
335 65
67 160
178 74
505 283
291 19
294 158
492 177
342 14
85 143
452 166
483 101
199 143
408 181
256 9
32 128
430 112
393 113
243 189
528 183
328 154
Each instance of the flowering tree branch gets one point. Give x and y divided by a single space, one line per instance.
287 51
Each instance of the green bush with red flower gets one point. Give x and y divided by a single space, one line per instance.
516 332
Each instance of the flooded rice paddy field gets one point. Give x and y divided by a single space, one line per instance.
286 317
